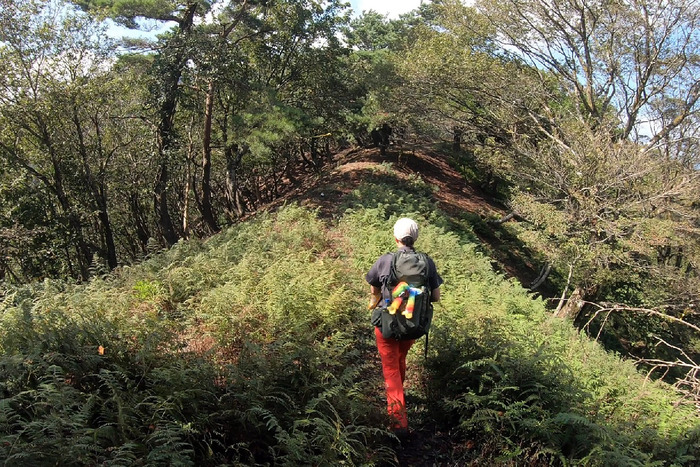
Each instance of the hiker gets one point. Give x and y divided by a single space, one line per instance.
393 351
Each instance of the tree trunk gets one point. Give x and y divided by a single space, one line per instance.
141 227
234 155
306 160
207 211
84 255
313 150
110 247
189 183
54 183
457 139
160 204
171 73
98 192
573 306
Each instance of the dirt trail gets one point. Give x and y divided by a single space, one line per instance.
348 169
427 445
453 195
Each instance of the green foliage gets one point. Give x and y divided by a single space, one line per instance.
529 387
124 370
254 348
371 32
520 383
82 121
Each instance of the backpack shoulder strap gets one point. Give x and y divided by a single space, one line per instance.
393 276
392 270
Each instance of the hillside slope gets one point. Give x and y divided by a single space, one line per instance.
254 347
328 192
331 192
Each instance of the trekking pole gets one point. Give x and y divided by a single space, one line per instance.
425 354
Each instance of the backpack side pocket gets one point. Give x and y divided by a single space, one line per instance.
376 318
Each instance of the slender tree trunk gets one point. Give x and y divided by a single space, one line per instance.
165 145
141 226
256 188
189 183
233 193
110 246
290 158
456 139
207 211
160 204
172 71
71 269
306 160
234 155
313 151
98 192
83 253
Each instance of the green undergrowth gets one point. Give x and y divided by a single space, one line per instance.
254 348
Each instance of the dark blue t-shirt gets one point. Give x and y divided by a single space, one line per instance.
381 269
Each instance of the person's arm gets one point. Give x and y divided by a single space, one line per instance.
375 297
434 281
374 279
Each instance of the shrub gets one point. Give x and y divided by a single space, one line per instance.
255 348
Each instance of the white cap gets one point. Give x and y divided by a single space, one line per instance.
406 227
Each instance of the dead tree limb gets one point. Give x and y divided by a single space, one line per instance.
506 218
688 385
544 273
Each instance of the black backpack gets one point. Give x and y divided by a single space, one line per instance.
409 271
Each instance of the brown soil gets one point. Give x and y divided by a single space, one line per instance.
348 168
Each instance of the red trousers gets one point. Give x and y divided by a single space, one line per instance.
393 354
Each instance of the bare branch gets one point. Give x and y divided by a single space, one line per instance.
615 307
689 385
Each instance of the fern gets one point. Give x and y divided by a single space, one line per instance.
254 348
